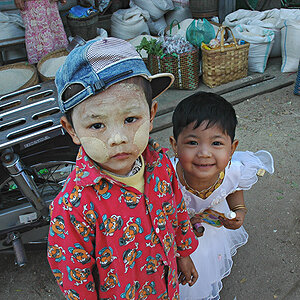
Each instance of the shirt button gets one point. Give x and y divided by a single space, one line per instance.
157 230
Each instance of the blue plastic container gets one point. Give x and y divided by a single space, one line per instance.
297 84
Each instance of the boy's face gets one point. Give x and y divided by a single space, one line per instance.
113 127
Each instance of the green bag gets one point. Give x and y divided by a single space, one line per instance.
200 31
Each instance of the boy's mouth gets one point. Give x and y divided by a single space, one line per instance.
120 156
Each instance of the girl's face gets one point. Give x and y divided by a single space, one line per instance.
203 153
113 127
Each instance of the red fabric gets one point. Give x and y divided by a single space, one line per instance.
97 221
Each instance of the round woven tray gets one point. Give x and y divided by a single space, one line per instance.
33 80
53 54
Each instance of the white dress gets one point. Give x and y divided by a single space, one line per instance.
213 257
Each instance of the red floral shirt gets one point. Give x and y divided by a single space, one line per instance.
109 241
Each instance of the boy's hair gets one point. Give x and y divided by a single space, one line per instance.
138 80
203 106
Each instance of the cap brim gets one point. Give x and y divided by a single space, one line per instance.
160 83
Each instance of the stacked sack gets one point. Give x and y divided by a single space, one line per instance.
147 17
271 33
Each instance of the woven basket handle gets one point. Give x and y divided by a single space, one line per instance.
171 25
223 30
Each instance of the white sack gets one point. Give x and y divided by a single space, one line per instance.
158 26
242 16
11 26
129 23
261 41
156 8
179 14
290 45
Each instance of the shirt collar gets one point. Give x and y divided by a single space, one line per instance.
88 173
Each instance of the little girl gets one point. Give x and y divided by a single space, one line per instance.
213 176
44 31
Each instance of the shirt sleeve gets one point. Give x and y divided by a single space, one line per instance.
185 238
70 248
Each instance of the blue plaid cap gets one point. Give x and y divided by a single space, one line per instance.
100 63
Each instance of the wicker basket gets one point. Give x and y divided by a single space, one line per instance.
225 64
53 54
297 84
185 68
32 80
84 27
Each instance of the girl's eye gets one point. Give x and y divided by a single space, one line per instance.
130 120
97 126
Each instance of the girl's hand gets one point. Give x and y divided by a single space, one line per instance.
234 223
187 272
20 4
197 228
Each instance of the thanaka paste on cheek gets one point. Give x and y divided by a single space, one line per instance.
141 137
95 149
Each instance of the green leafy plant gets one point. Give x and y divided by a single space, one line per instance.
151 47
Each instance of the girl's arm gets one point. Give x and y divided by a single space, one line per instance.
236 203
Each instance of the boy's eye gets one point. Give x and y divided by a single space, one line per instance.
130 120
216 143
193 143
97 126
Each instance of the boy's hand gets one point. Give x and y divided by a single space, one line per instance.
196 223
187 272
235 223
20 4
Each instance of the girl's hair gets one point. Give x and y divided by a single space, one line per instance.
138 80
201 107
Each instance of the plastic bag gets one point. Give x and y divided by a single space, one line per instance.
200 31
81 12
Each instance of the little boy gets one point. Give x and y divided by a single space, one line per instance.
119 226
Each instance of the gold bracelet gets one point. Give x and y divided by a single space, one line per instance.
238 207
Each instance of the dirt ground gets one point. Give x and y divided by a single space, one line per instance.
268 266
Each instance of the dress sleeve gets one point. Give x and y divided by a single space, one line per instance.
251 165
70 249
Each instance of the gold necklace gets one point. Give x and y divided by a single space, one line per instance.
204 193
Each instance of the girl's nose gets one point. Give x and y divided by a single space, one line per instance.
204 152
117 139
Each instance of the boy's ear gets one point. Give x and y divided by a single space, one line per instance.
234 146
153 113
173 144
69 128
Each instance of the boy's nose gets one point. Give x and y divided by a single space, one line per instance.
117 139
